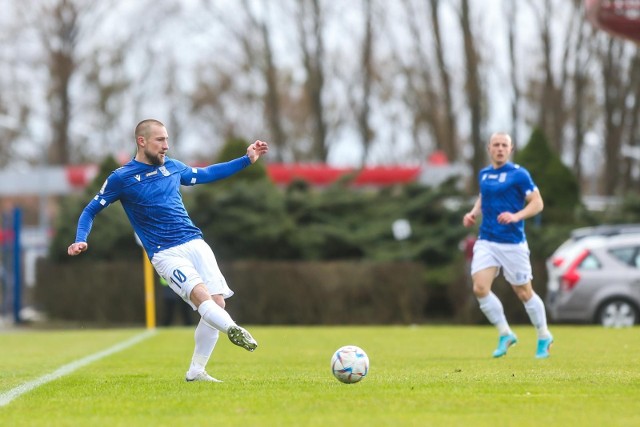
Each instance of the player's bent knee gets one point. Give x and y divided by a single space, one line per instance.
523 292
199 294
481 290
219 299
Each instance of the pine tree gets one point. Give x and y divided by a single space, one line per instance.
558 186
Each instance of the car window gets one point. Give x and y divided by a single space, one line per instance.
590 262
626 255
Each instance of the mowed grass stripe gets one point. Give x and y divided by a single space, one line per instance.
420 376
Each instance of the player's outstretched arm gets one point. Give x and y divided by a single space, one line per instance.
257 149
77 248
215 172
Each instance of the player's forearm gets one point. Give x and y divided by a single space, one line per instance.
533 207
477 207
222 170
85 222
469 218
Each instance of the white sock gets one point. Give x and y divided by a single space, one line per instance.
537 315
215 316
493 310
206 337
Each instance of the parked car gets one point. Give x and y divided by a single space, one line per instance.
595 278
576 241
593 235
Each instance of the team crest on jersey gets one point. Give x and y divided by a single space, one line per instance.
163 170
104 186
503 177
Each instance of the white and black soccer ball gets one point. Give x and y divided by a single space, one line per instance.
349 364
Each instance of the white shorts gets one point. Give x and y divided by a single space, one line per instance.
513 258
189 264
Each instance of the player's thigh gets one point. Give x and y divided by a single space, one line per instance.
484 257
179 272
207 266
483 279
516 263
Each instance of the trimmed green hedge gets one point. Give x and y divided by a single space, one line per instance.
266 292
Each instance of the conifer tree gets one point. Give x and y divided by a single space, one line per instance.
558 186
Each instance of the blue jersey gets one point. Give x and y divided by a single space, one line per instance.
150 196
503 190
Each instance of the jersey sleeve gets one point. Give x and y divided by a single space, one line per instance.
218 171
109 193
525 182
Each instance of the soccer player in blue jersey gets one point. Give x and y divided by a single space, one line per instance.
148 187
507 197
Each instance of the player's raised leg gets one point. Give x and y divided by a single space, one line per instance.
219 318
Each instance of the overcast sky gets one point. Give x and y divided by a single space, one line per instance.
189 36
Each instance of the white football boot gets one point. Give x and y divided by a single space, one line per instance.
241 337
202 376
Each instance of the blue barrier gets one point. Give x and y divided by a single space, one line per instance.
11 272
6 260
17 267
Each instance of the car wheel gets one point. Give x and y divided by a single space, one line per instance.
618 313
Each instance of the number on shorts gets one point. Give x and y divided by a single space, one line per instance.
178 277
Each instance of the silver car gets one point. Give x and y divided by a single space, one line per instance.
596 279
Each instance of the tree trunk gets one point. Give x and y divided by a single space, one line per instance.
473 92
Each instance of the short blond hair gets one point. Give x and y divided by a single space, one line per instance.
143 128
505 134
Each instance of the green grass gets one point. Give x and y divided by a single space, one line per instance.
419 376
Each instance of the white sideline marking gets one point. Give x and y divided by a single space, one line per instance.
7 397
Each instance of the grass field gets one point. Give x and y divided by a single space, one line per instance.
419 376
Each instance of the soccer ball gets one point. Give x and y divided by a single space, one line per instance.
349 364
